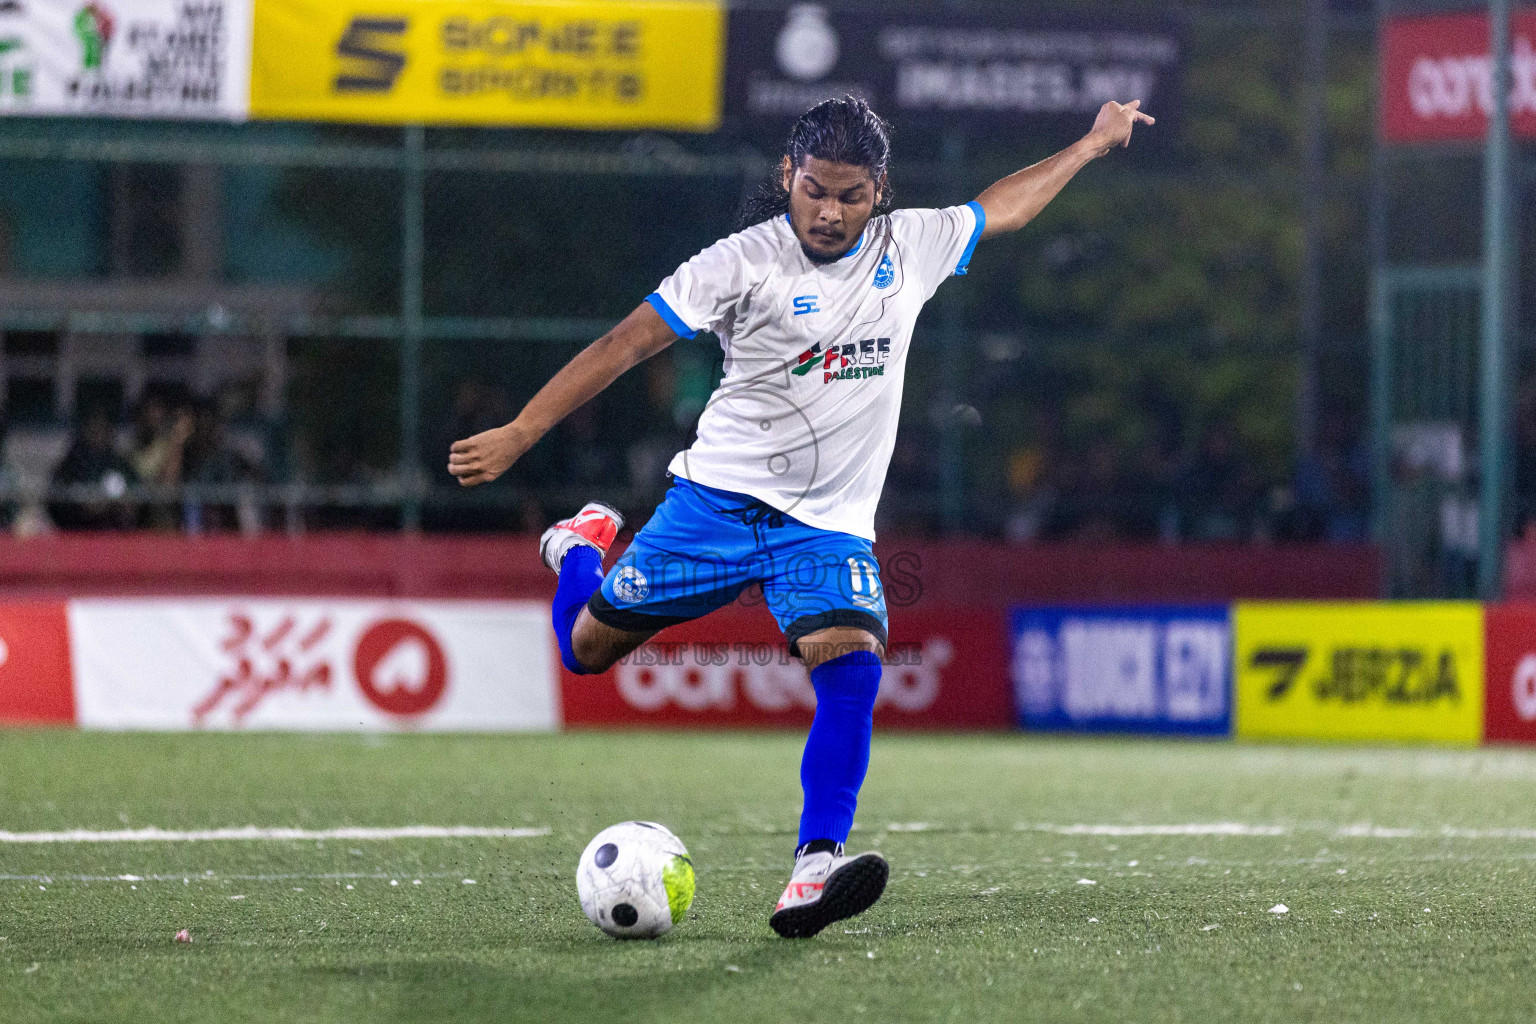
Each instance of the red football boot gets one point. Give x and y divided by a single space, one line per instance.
596 526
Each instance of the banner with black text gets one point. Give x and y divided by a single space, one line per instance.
187 59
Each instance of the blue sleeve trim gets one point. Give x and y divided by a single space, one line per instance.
674 321
970 247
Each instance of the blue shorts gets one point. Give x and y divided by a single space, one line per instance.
704 546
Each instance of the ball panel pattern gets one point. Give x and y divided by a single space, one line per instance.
640 867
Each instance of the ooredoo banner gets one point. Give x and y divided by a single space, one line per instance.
126 58
1366 671
1436 77
944 669
1161 669
548 63
1511 687
312 664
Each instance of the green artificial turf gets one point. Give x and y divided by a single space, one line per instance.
988 916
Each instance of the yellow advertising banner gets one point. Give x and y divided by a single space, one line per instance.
546 63
1359 671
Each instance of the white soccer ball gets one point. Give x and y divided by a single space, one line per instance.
635 880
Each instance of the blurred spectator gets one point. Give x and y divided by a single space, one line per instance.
1525 460
93 463
909 505
1032 493
477 407
1094 503
159 446
1221 493
1031 496
10 483
1331 494
657 434
211 461
592 458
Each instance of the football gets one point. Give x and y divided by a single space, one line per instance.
635 880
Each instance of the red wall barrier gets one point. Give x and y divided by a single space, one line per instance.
998 575
947 666
351 565
952 573
1520 571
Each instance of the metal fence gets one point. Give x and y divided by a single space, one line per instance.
413 156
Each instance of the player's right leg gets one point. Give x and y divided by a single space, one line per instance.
827 598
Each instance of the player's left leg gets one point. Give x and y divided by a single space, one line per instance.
574 548
830 604
691 558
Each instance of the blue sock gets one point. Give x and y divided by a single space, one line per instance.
837 750
580 575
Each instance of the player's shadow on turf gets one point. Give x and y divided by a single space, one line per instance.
577 979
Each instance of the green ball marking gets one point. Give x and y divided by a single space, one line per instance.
677 877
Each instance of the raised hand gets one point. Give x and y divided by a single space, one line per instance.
1113 125
484 457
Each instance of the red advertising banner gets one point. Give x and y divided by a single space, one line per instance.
946 669
1510 699
1435 77
35 682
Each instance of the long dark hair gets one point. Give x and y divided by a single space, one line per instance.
843 131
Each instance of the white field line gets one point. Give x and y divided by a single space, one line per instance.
1233 828
1445 832
1217 828
252 832
209 877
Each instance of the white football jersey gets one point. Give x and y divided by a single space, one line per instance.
815 355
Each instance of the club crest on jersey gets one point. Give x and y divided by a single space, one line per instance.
885 273
630 585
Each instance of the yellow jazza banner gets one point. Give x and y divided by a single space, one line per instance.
1359 671
550 64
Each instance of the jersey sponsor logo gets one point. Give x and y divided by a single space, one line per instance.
885 273
806 304
855 360
852 360
630 585
807 360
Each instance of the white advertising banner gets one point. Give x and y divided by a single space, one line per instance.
268 663
126 58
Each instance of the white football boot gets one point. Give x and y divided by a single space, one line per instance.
826 887
596 525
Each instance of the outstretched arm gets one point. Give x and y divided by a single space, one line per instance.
484 457
1017 199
